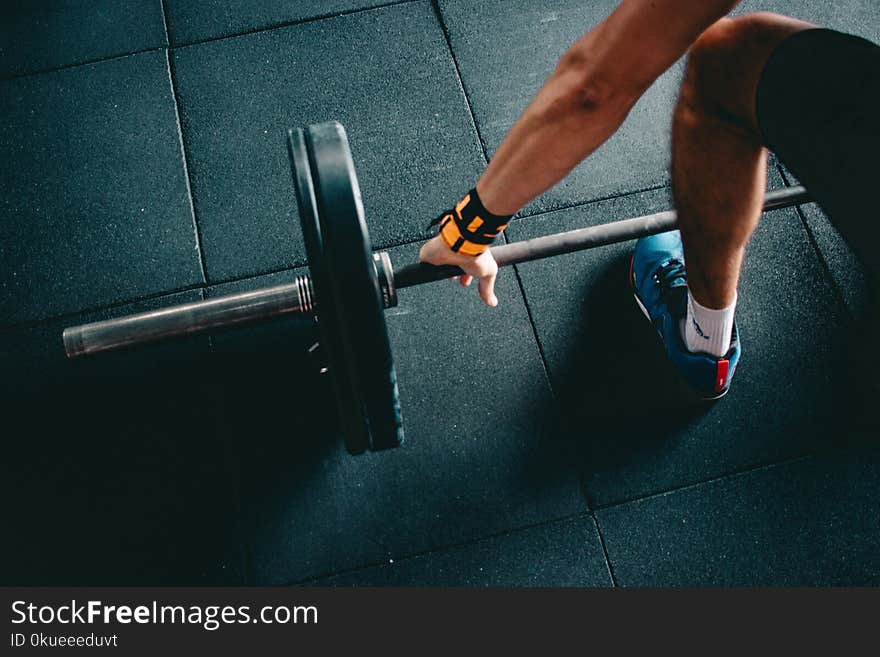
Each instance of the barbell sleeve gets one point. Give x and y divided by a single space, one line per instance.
580 239
190 318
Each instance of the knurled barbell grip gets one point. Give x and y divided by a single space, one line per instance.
190 318
580 239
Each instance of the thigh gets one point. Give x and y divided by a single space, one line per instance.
817 106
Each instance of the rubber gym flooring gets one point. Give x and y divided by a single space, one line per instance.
143 164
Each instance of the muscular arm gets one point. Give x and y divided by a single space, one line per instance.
596 83
589 95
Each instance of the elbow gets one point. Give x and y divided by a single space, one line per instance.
593 95
591 98
586 91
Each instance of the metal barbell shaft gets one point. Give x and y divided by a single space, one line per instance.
581 239
297 297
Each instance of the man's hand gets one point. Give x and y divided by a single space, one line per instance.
482 267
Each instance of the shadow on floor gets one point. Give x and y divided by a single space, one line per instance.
112 471
617 379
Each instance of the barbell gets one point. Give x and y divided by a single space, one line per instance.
349 287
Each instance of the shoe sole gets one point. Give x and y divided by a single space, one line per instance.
632 285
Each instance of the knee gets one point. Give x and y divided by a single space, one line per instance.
726 61
730 42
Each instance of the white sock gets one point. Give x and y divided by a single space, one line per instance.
707 330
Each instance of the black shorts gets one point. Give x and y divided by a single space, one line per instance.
818 107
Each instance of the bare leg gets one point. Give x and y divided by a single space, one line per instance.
718 160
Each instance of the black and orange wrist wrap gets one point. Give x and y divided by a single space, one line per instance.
469 228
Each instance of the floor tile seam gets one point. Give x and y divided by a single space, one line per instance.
608 563
89 62
827 274
730 475
557 404
564 207
537 339
836 289
185 157
169 46
438 13
293 23
446 548
233 467
115 305
233 464
89 310
165 23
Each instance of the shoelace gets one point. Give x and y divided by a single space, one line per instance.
668 273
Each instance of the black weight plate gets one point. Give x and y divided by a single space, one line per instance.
352 274
352 413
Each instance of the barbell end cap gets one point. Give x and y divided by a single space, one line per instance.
73 342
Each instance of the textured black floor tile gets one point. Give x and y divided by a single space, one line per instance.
113 472
860 17
809 523
43 34
850 275
95 202
386 74
861 295
196 20
500 83
483 452
640 429
567 553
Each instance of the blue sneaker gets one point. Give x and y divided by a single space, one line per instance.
659 281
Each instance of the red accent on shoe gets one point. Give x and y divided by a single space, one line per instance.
721 375
632 281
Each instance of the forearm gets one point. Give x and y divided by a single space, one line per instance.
590 94
568 120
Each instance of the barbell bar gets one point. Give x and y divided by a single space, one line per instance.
298 297
349 286
581 239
